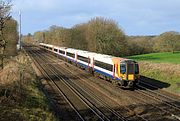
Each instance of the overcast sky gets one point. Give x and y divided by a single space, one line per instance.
135 17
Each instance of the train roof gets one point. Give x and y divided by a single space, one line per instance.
99 57
46 44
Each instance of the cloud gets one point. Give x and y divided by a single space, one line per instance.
135 16
34 5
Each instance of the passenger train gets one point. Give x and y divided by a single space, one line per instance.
124 72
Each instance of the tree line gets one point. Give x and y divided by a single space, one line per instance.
98 35
8 31
105 36
165 42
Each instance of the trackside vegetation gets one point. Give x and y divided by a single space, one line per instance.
21 98
8 32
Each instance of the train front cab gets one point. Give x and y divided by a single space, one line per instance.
128 73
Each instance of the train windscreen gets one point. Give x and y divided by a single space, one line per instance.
123 68
130 69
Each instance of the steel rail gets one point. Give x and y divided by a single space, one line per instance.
42 70
91 106
113 111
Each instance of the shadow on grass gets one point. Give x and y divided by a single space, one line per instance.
153 84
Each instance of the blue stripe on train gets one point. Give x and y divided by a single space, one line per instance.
99 71
106 74
85 66
96 70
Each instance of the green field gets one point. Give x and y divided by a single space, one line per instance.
168 57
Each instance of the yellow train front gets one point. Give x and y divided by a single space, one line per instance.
127 72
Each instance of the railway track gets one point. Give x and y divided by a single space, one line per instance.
155 90
53 85
47 66
169 103
81 104
139 117
116 112
112 115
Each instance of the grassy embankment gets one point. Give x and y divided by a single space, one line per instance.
164 67
21 98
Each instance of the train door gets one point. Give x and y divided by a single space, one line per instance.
130 71
92 64
115 70
123 72
118 69
75 57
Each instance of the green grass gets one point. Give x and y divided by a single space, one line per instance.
167 57
35 106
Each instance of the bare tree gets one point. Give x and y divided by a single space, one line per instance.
5 7
167 42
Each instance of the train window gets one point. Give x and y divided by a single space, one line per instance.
70 54
130 69
123 68
55 50
104 65
136 69
83 58
61 51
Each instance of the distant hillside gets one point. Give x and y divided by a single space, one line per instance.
167 57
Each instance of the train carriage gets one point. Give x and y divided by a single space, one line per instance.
123 71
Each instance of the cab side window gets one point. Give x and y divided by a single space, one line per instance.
136 69
123 68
